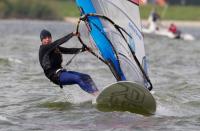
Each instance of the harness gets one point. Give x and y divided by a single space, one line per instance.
55 76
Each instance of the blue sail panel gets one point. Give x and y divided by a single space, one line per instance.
99 36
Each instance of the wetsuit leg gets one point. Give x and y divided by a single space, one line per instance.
83 80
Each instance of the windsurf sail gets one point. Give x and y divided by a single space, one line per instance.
115 27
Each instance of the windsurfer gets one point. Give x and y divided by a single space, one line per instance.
155 16
173 28
50 57
153 21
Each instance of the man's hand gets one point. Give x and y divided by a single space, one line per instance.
83 49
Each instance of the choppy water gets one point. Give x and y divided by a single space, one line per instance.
28 101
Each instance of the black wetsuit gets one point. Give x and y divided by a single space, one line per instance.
155 17
50 57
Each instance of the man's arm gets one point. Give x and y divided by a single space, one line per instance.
58 42
61 40
64 39
70 50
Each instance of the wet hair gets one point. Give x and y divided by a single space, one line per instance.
44 33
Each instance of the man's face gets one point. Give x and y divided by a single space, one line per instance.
46 40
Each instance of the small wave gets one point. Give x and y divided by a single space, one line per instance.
74 95
15 60
4 61
2 118
7 61
56 105
193 104
165 111
9 120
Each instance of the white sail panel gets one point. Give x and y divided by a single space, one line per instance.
125 14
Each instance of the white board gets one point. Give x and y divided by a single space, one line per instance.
126 96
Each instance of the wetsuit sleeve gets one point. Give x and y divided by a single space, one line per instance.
69 50
64 39
59 42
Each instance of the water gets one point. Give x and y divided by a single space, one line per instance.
28 101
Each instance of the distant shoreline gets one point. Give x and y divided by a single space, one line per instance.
144 22
178 23
74 20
